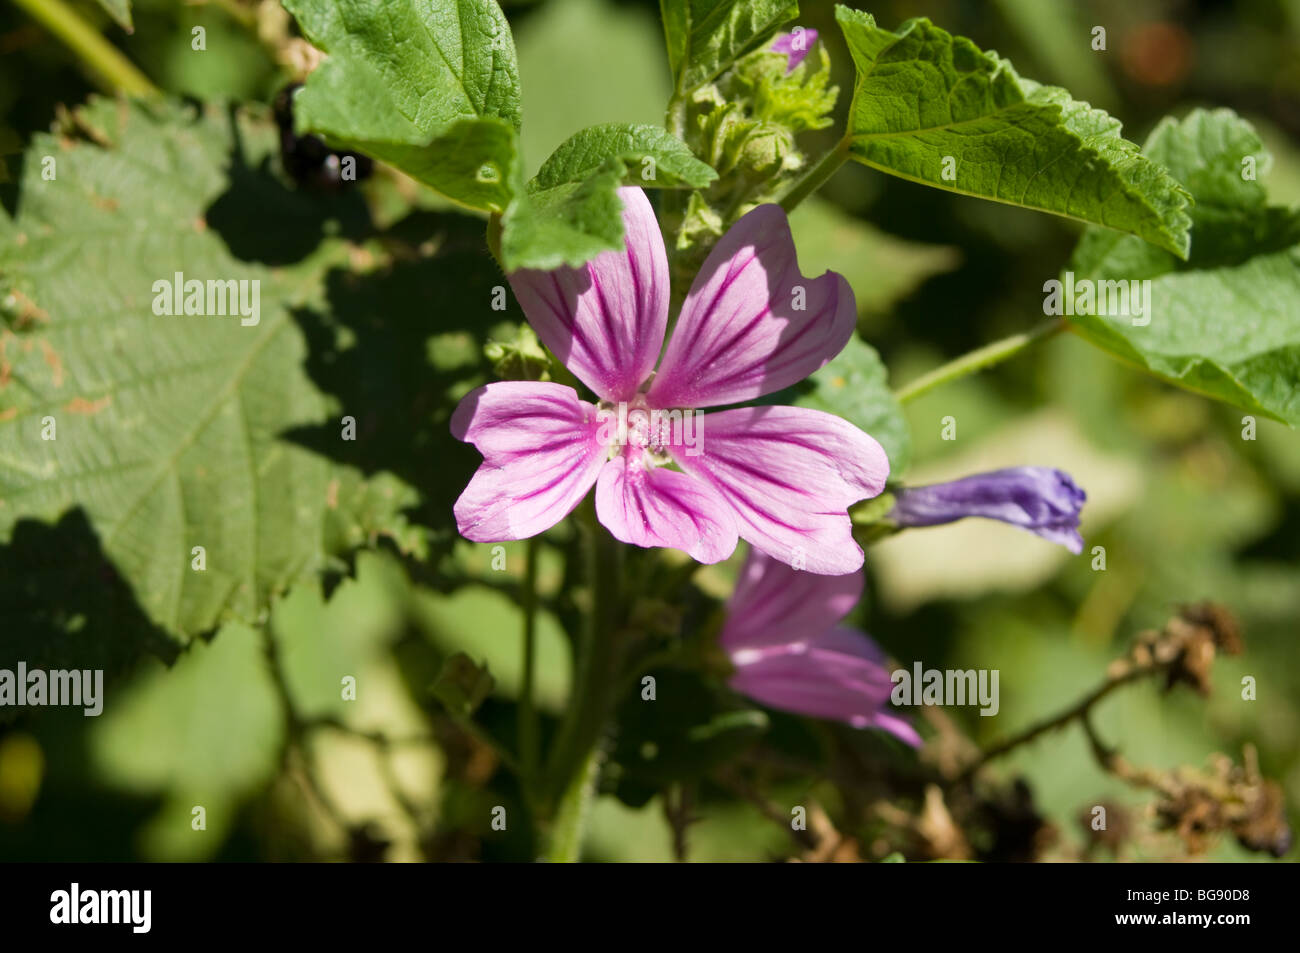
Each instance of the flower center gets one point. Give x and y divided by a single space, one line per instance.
634 425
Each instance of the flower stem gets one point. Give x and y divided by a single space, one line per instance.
595 691
571 817
817 176
527 708
978 359
112 71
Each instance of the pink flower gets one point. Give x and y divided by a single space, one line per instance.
780 477
795 46
789 651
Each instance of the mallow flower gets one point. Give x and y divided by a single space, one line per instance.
789 651
1042 500
780 477
795 46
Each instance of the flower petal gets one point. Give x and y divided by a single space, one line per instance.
540 457
773 604
839 674
791 474
752 324
651 506
605 320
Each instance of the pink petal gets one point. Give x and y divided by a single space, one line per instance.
540 457
739 335
650 506
791 474
773 603
839 674
605 320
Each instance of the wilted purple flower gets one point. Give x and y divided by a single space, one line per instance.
794 45
789 651
1040 499
780 477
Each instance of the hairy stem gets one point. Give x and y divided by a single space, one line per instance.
595 689
527 709
571 816
979 359
112 71
817 176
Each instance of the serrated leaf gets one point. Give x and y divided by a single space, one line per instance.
571 212
927 103
119 10
1226 322
706 36
651 156
169 431
431 88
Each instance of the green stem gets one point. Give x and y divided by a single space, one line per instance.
571 817
527 709
817 176
112 70
596 686
978 359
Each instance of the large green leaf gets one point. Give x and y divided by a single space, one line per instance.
706 36
429 87
1226 322
935 109
570 211
169 432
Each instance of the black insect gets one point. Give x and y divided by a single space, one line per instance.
309 160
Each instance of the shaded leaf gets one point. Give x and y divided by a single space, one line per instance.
431 88
1226 322
169 430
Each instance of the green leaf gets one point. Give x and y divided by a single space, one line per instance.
119 10
924 97
657 159
171 432
571 211
431 88
207 732
855 386
1226 322
706 36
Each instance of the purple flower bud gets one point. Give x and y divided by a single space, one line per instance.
1040 499
795 46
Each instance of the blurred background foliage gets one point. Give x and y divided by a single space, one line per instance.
251 725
